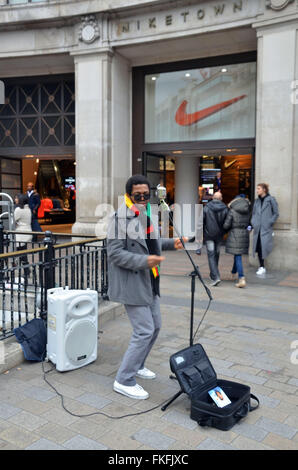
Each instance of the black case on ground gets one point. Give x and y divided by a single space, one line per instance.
196 377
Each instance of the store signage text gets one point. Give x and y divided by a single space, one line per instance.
153 22
2 92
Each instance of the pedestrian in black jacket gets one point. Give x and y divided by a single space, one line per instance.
237 242
34 203
214 215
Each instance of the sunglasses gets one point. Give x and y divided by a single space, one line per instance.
139 197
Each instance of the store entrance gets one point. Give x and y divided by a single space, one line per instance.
230 171
53 177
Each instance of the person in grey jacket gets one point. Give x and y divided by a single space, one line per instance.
264 215
237 242
134 256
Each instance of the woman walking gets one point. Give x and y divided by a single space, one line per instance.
22 216
264 215
237 242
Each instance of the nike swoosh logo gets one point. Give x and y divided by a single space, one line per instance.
228 164
184 119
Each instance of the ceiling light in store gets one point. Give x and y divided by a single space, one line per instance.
35 173
29 156
74 163
229 150
153 78
224 70
177 151
187 74
37 160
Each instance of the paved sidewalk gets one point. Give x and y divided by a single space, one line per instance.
247 335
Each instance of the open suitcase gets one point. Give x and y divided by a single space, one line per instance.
196 377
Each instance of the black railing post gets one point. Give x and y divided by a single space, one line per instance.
49 271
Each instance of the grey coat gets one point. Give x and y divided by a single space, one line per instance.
236 222
263 218
128 271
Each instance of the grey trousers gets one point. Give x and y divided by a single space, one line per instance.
146 324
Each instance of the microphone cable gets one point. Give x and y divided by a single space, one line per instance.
45 372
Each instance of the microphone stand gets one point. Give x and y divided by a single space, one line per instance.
195 273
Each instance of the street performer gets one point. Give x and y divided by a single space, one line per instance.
134 256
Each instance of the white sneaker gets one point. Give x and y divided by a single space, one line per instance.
215 283
135 391
261 271
145 374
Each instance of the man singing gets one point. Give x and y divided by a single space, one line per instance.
134 256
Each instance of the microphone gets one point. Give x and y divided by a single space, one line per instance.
161 194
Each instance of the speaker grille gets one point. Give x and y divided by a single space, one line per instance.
80 341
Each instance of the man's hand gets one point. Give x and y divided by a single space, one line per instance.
154 260
177 243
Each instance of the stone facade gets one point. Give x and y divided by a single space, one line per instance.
100 45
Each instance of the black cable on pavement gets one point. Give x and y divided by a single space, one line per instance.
95 412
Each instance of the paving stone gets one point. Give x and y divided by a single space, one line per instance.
250 378
219 364
83 443
283 430
18 437
281 386
182 419
6 410
156 440
55 432
44 444
280 443
120 440
250 431
293 381
59 416
268 401
39 393
244 443
94 400
186 436
27 420
35 406
212 444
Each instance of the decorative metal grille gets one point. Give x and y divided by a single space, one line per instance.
38 115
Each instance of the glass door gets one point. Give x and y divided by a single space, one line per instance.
154 168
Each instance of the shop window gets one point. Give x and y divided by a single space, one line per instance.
211 103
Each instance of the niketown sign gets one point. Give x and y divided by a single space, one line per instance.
191 17
2 92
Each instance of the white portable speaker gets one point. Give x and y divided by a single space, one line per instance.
72 327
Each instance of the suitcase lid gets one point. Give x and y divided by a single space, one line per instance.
193 369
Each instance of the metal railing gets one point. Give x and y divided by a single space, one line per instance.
27 274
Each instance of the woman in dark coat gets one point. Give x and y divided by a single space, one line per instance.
237 242
265 213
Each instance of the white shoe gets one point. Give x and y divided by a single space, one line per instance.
135 391
145 374
215 283
261 271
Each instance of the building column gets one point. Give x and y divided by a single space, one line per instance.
186 193
102 82
276 137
